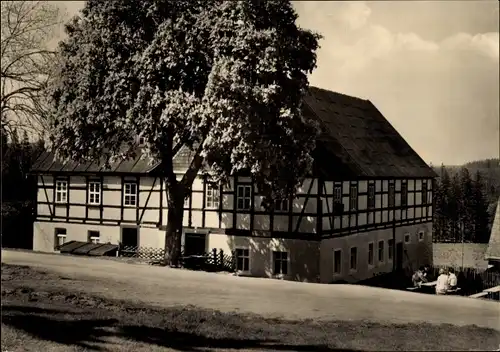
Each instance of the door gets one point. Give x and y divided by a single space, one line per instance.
130 237
195 244
399 256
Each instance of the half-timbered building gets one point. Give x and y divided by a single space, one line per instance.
366 207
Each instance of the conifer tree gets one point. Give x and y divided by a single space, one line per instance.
481 216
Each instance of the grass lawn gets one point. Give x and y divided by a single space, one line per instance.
41 319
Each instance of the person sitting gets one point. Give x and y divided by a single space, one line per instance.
442 282
427 271
419 277
452 279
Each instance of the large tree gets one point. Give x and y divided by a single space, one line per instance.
26 63
225 79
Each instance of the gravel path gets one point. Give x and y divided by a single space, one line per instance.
289 300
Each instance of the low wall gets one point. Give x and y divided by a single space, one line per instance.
450 254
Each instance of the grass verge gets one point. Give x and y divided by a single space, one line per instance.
54 320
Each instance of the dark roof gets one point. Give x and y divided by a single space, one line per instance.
48 163
493 250
356 142
357 134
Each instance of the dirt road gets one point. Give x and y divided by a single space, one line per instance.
289 300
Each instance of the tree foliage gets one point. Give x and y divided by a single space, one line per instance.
26 63
223 78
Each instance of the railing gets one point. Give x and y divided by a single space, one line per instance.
215 260
142 252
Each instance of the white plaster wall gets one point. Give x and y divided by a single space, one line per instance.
419 252
44 234
303 255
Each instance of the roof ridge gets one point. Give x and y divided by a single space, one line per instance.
338 93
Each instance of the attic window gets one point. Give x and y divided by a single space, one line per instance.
142 140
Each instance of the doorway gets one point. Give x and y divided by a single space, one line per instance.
399 256
130 237
195 244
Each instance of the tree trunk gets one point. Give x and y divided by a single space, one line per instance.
173 232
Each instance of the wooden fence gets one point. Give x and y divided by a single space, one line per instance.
142 253
215 260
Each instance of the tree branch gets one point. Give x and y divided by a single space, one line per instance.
194 168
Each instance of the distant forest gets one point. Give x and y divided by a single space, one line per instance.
465 201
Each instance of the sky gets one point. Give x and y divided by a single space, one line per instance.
430 67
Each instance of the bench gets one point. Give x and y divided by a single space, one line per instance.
493 289
412 288
429 284
479 295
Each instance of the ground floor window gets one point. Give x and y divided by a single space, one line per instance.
60 237
421 236
280 260
390 245
370 253
337 261
94 236
354 259
381 251
242 259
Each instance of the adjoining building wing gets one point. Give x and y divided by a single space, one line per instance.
493 250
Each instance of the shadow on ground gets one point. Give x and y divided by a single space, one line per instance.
69 328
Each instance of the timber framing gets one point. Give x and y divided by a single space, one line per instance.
315 201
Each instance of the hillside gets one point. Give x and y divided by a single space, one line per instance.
489 170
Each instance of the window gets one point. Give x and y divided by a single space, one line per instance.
94 236
130 198
354 259
424 193
370 253
94 193
391 195
390 244
243 259
281 205
61 191
421 236
371 196
212 196
407 238
244 194
142 140
338 206
337 261
280 260
353 198
404 194
60 237
381 251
